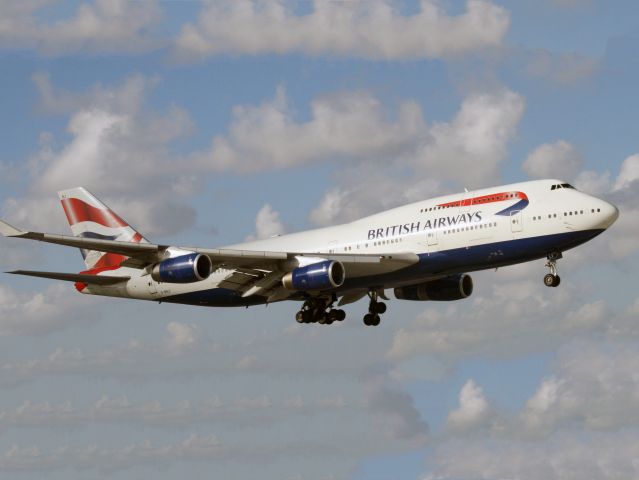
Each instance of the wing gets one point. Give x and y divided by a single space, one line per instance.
251 271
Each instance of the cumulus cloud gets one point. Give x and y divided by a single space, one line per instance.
477 136
510 318
103 26
622 191
267 223
594 386
372 30
395 413
473 409
347 124
111 132
553 160
54 309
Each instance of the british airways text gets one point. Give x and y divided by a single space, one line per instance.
391 231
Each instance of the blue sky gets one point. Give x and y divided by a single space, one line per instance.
209 123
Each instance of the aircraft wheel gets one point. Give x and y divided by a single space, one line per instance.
299 317
549 280
341 315
379 308
557 281
371 320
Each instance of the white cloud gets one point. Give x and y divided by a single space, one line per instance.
473 409
104 26
568 456
594 386
111 132
466 152
373 30
56 308
181 335
511 317
628 173
267 223
349 124
553 160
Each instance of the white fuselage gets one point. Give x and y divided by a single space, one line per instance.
455 233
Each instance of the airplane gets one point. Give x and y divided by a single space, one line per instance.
423 251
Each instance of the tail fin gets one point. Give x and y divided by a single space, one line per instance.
90 218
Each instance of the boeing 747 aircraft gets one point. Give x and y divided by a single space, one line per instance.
423 251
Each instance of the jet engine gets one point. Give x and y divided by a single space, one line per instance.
190 268
316 276
455 287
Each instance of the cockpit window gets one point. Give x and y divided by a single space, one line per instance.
563 185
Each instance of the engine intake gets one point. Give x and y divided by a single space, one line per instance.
190 268
445 289
317 276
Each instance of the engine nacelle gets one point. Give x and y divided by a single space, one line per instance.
190 268
317 276
444 289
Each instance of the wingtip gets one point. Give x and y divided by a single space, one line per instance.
8 230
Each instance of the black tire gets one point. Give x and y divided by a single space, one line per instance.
299 317
341 315
557 281
375 321
380 307
368 319
308 316
549 280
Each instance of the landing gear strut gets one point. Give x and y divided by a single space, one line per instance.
552 279
319 310
375 309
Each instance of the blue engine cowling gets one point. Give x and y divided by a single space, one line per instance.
190 268
455 287
317 276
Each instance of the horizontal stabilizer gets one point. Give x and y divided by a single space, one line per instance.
74 277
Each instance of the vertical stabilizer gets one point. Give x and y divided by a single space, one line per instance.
90 218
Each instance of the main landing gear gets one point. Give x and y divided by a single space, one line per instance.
552 279
319 310
375 309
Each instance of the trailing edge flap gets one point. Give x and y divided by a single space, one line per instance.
73 277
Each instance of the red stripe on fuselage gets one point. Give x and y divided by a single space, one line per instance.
493 198
78 211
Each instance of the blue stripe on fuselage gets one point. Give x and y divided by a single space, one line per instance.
436 264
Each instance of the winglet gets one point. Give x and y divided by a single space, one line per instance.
8 231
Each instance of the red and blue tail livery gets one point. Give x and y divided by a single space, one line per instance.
89 218
423 251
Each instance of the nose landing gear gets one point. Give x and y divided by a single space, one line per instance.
552 279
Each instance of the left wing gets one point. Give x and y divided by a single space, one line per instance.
253 271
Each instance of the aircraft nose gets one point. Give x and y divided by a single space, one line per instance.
611 213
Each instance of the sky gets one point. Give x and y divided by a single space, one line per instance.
210 123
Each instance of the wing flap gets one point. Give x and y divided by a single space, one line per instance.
73 277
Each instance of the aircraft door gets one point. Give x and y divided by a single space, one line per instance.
516 221
431 237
